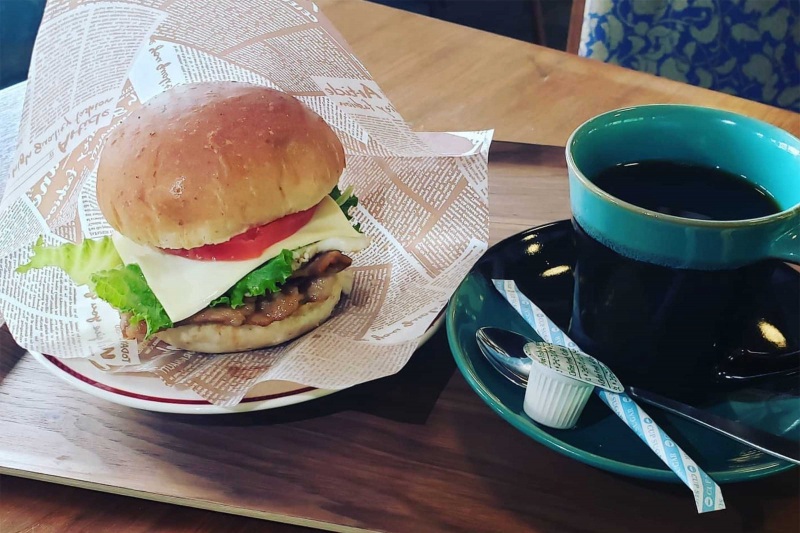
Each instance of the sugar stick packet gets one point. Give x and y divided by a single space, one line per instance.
707 494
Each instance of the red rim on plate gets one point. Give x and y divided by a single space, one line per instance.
202 403
56 362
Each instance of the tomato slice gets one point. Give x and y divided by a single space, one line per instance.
251 243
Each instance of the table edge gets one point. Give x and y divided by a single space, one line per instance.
204 505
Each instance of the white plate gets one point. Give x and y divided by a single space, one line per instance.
144 391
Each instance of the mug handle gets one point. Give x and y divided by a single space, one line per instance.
747 367
787 245
757 368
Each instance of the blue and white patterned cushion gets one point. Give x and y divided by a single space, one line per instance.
750 48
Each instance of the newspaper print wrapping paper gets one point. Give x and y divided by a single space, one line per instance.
424 196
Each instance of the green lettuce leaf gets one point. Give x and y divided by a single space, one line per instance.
79 261
126 289
96 264
266 278
346 200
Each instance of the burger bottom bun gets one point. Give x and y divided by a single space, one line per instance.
218 338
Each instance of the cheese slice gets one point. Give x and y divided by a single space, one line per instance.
185 286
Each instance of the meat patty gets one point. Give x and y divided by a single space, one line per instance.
132 331
264 310
323 264
313 282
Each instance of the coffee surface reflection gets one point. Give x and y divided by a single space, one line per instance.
687 191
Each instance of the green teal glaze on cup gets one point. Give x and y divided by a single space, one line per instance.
764 154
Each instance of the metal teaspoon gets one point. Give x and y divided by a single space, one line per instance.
503 349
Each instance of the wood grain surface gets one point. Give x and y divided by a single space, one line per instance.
414 452
444 77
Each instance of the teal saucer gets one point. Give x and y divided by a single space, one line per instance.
541 261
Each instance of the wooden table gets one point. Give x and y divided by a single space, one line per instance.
418 451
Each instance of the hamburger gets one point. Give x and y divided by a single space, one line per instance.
230 231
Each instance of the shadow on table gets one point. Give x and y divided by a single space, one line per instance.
10 352
406 397
607 498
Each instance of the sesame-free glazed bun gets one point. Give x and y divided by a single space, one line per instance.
201 163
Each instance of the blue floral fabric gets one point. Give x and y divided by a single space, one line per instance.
750 48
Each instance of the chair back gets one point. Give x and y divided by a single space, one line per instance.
749 48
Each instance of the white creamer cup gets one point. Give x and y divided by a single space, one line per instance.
707 494
560 383
553 399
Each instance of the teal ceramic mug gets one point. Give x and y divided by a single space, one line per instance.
670 257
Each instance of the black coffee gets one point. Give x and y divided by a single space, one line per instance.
687 191
660 328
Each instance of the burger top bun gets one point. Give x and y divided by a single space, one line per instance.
201 163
